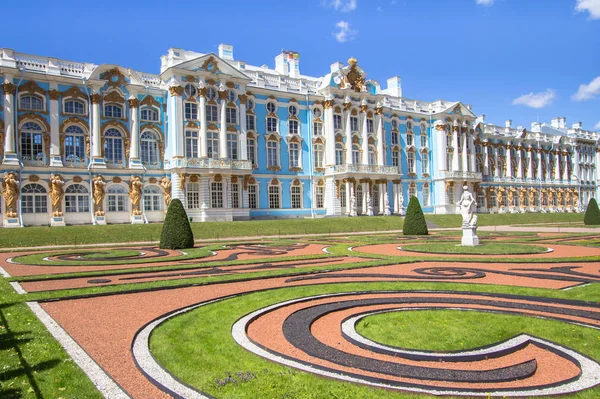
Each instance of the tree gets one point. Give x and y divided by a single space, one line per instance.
414 222
592 214
176 232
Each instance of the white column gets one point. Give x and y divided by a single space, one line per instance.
464 154
55 158
134 149
348 132
597 177
223 132
329 132
348 197
395 202
455 144
472 156
497 170
243 132
539 173
486 160
380 138
10 154
509 160
576 168
365 136
441 149
365 192
202 136
382 191
557 166
96 139
520 165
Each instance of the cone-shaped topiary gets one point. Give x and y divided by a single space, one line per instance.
176 232
592 214
414 222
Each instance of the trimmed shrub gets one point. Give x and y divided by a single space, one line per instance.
592 214
176 232
414 222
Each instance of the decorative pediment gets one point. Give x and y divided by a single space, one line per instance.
31 87
115 75
114 97
351 77
74 92
151 101
215 66
458 109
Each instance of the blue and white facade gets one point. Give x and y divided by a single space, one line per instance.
234 141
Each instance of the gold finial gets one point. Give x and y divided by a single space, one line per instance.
352 61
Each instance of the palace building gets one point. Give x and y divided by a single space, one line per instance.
84 143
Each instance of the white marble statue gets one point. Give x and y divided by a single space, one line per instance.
401 201
353 205
465 205
369 205
386 205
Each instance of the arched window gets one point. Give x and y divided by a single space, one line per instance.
191 144
478 165
74 144
251 149
216 194
31 102
190 90
355 154
149 149
232 145
272 153
113 146
113 111
77 199
274 196
32 143
212 145
343 203
409 126
340 159
372 156
318 153
34 199
317 124
149 114
116 197
75 107
294 155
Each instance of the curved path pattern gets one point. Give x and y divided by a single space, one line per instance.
317 334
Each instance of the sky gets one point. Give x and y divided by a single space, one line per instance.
524 60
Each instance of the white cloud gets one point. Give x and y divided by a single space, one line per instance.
379 9
345 32
591 6
536 100
597 127
486 3
341 5
589 91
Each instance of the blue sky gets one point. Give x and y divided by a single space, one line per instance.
511 59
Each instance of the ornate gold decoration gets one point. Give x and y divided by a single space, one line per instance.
192 125
222 95
10 192
77 179
75 92
176 91
327 104
150 101
54 94
364 108
212 126
56 194
243 98
354 78
9 88
98 194
135 194
230 85
234 179
35 117
113 77
166 184
189 78
274 181
218 178
96 98
116 179
194 178
211 65
34 178
31 87
133 102
114 97
379 111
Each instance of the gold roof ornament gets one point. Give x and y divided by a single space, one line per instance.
353 76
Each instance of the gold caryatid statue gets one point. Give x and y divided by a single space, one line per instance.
353 76
531 197
10 192
99 193
135 194
56 194
165 183
499 193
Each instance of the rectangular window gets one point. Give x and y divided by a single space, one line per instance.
294 155
274 198
425 196
251 144
394 138
253 196
423 141
319 196
193 195
272 149
296 197
27 204
410 139
231 115
411 162
272 125
293 127
318 155
318 128
250 122
232 146
337 122
191 144
370 126
191 111
216 195
117 203
448 161
395 158
235 195
424 163
354 123
212 145
211 113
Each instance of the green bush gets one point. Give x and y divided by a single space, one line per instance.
176 232
592 214
414 222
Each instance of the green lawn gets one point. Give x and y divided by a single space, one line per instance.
488 248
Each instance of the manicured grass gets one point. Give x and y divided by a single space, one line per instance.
455 330
197 346
493 248
505 219
32 363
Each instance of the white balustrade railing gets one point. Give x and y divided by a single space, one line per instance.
209 163
363 169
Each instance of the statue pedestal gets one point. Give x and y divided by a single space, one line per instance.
387 211
402 211
370 211
137 219
57 221
353 212
11 222
100 219
469 238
